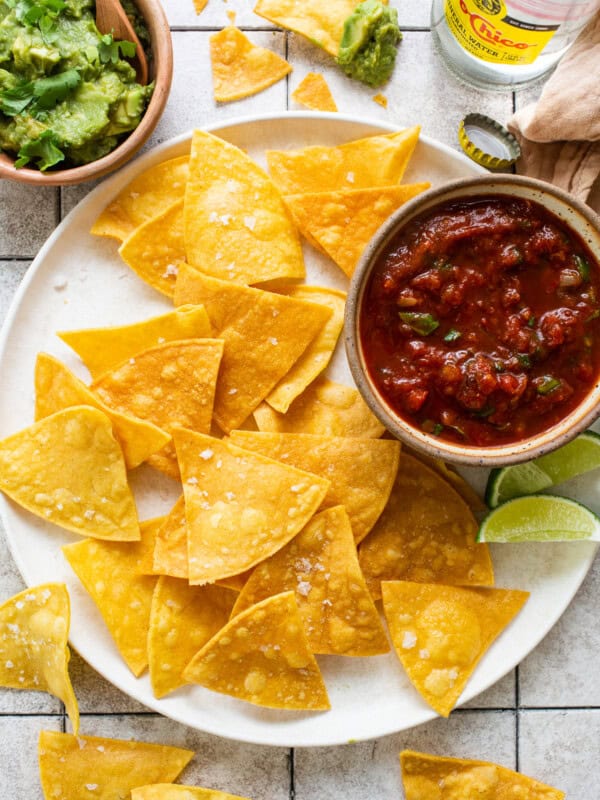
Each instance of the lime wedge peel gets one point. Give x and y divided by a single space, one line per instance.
540 518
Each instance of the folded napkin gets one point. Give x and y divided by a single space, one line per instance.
560 134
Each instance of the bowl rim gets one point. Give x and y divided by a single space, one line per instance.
162 68
541 443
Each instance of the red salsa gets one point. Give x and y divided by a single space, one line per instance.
480 323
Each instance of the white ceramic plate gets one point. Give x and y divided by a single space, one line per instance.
78 280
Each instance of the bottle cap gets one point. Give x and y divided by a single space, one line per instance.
487 142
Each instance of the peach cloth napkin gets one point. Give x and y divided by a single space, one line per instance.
560 134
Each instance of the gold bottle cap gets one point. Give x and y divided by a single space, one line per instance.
487 142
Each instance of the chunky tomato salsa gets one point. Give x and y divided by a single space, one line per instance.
480 323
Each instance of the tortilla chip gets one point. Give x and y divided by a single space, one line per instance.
95 768
200 5
320 565
313 92
360 164
458 483
381 100
441 632
326 408
343 222
426 534
262 656
101 349
361 471
240 507
265 334
170 385
68 469
428 777
57 388
144 197
34 629
237 227
241 68
183 618
173 791
322 23
155 248
113 574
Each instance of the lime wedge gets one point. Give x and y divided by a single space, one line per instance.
579 456
540 518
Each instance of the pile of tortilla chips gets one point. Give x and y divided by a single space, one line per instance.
294 517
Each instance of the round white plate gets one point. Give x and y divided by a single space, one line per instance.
78 280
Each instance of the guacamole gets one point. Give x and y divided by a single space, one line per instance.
67 94
369 43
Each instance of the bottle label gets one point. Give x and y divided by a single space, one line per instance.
485 29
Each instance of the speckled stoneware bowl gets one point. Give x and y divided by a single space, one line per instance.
574 214
161 72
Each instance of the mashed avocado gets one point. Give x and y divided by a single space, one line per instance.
66 92
369 42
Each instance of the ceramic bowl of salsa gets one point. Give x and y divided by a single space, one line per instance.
473 321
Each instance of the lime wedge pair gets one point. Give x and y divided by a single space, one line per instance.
522 515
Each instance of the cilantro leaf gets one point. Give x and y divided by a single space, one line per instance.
13 101
50 91
108 49
45 149
42 13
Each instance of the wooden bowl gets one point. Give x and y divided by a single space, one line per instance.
161 72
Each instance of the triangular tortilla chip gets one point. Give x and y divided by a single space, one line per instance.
101 349
360 164
155 248
237 227
95 768
343 222
262 656
361 472
321 567
113 575
240 507
314 93
144 197
449 474
56 388
426 534
200 5
69 469
241 68
183 618
318 353
428 777
441 632
265 334
170 385
34 629
173 791
325 408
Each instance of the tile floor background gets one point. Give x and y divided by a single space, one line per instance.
543 719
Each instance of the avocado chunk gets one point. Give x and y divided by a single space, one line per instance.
369 43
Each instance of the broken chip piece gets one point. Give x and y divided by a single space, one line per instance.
314 93
173 791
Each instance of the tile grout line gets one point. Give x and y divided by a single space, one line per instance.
517 707
291 758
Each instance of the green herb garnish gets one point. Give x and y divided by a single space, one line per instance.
45 150
111 51
452 335
524 360
548 384
531 322
42 13
42 94
420 322
583 267
13 101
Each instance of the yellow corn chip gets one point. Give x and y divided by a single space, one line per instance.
313 92
343 222
150 529
381 100
200 5
95 768
170 385
325 408
262 656
241 68
144 197
173 791
68 469
34 629
265 334
318 354
458 483
361 471
359 164
101 349
240 507
425 534
428 777
57 388
237 227
183 618
441 632
155 248
113 574
321 567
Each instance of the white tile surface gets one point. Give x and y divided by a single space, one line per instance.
19 775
